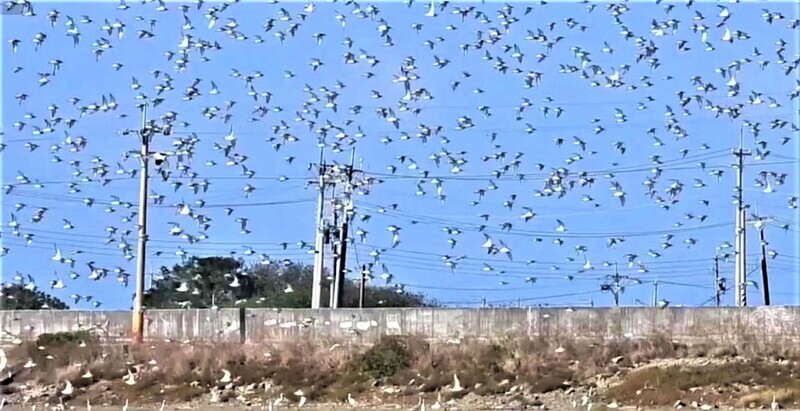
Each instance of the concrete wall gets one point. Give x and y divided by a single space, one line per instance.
729 325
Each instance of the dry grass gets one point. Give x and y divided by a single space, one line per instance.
665 385
785 396
181 372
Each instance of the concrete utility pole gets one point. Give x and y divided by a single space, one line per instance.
334 233
319 248
347 211
145 134
741 227
655 293
141 251
335 249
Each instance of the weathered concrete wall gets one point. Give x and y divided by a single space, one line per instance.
728 325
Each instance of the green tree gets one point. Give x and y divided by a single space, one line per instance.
209 282
17 297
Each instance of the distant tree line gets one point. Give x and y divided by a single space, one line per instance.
17 297
203 282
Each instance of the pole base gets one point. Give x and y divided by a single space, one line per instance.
138 327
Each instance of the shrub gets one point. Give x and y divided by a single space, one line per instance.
384 359
64 338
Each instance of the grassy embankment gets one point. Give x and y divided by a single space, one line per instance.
651 372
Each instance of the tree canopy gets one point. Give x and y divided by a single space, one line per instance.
203 282
17 297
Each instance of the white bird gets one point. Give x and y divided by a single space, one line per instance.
58 284
185 42
352 401
438 404
185 210
456 384
129 379
226 378
68 389
488 243
727 36
57 256
278 401
432 9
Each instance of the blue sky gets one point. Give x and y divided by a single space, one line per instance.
282 209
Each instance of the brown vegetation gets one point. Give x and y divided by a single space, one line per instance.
634 372
712 382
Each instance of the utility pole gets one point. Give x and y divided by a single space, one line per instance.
741 227
718 286
764 274
319 248
362 288
655 293
614 286
335 249
341 267
145 133
141 251
760 223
